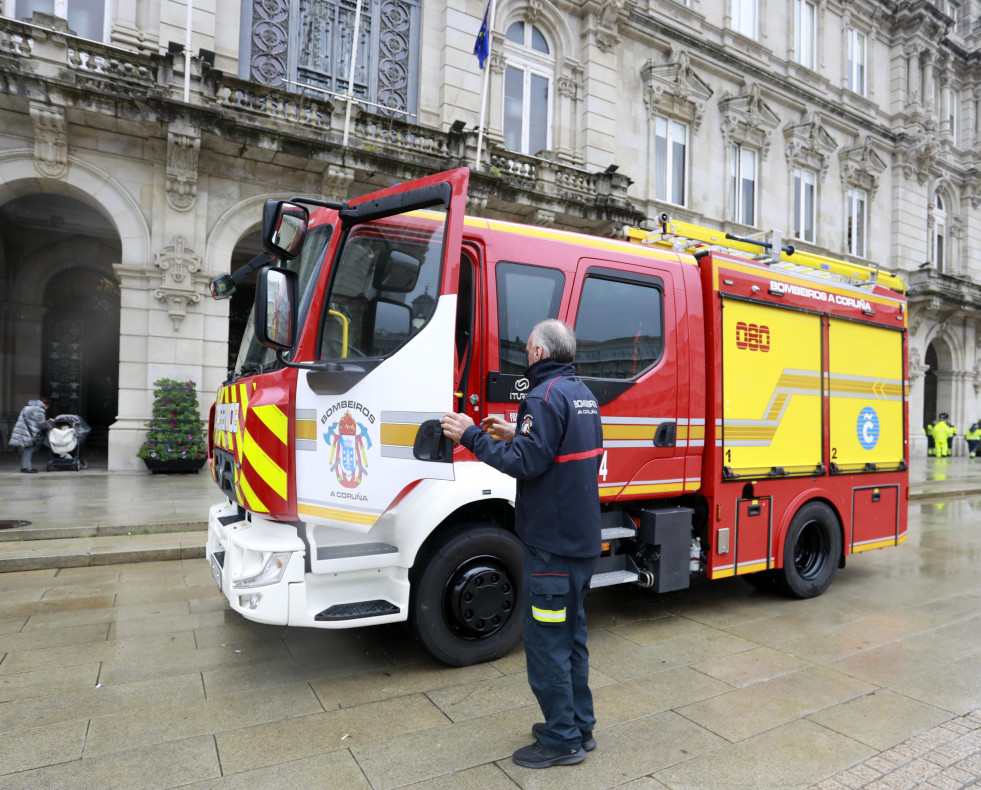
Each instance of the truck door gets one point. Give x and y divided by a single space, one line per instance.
385 352
625 318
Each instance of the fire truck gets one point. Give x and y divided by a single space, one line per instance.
753 402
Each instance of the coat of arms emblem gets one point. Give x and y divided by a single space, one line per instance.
349 443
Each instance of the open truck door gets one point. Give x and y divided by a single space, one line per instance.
367 410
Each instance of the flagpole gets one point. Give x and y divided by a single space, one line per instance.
350 78
483 92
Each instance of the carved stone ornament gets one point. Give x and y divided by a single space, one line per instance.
50 140
183 145
335 182
809 144
916 368
673 88
918 147
861 166
972 183
177 289
977 379
748 120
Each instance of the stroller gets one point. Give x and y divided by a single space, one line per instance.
65 437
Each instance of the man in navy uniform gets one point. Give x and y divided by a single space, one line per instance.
554 452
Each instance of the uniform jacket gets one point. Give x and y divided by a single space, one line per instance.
555 457
943 431
29 424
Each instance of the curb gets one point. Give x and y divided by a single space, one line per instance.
101 531
84 552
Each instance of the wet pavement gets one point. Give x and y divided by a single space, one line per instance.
137 675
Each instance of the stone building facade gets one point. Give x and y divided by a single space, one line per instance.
133 168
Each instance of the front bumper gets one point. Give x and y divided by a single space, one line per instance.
239 547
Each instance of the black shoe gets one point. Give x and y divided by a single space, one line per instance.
538 755
29 471
588 741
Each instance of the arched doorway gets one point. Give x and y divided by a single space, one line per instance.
80 365
60 303
938 389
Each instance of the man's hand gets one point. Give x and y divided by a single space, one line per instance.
454 425
498 428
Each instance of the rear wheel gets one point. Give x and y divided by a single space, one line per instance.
812 551
466 599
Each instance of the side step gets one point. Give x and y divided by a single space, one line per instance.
357 610
612 533
611 578
355 550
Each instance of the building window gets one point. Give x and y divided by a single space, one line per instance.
744 17
309 42
621 343
857 220
670 160
742 185
805 32
805 203
857 46
527 89
86 18
939 246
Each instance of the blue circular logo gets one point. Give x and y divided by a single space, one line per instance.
868 428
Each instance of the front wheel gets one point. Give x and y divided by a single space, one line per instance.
466 597
812 551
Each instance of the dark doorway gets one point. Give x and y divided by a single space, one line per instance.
930 386
81 348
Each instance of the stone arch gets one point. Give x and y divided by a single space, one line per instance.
234 223
30 282
89 185
553 24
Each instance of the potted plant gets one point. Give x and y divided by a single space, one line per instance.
175 436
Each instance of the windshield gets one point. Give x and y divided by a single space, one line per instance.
385 286
307 266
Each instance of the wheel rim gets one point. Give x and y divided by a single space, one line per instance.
811 550
480 598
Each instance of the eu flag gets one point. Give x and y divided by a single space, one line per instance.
481 47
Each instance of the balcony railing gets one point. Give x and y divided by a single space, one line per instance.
40 56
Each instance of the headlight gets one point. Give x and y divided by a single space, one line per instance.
271 572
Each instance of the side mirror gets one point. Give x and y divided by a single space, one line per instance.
275 308
284 226
397 273
222 286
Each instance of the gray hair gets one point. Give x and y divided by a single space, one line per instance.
556 338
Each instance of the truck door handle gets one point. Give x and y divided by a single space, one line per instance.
665 434
431 444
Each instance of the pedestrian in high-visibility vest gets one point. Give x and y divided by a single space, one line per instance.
942 434
973 437
928 432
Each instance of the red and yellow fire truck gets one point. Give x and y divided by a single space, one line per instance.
754 409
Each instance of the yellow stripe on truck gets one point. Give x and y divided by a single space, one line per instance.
398 434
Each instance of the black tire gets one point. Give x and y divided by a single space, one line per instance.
811 552
466 594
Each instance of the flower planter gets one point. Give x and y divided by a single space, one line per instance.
175 433
174 465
